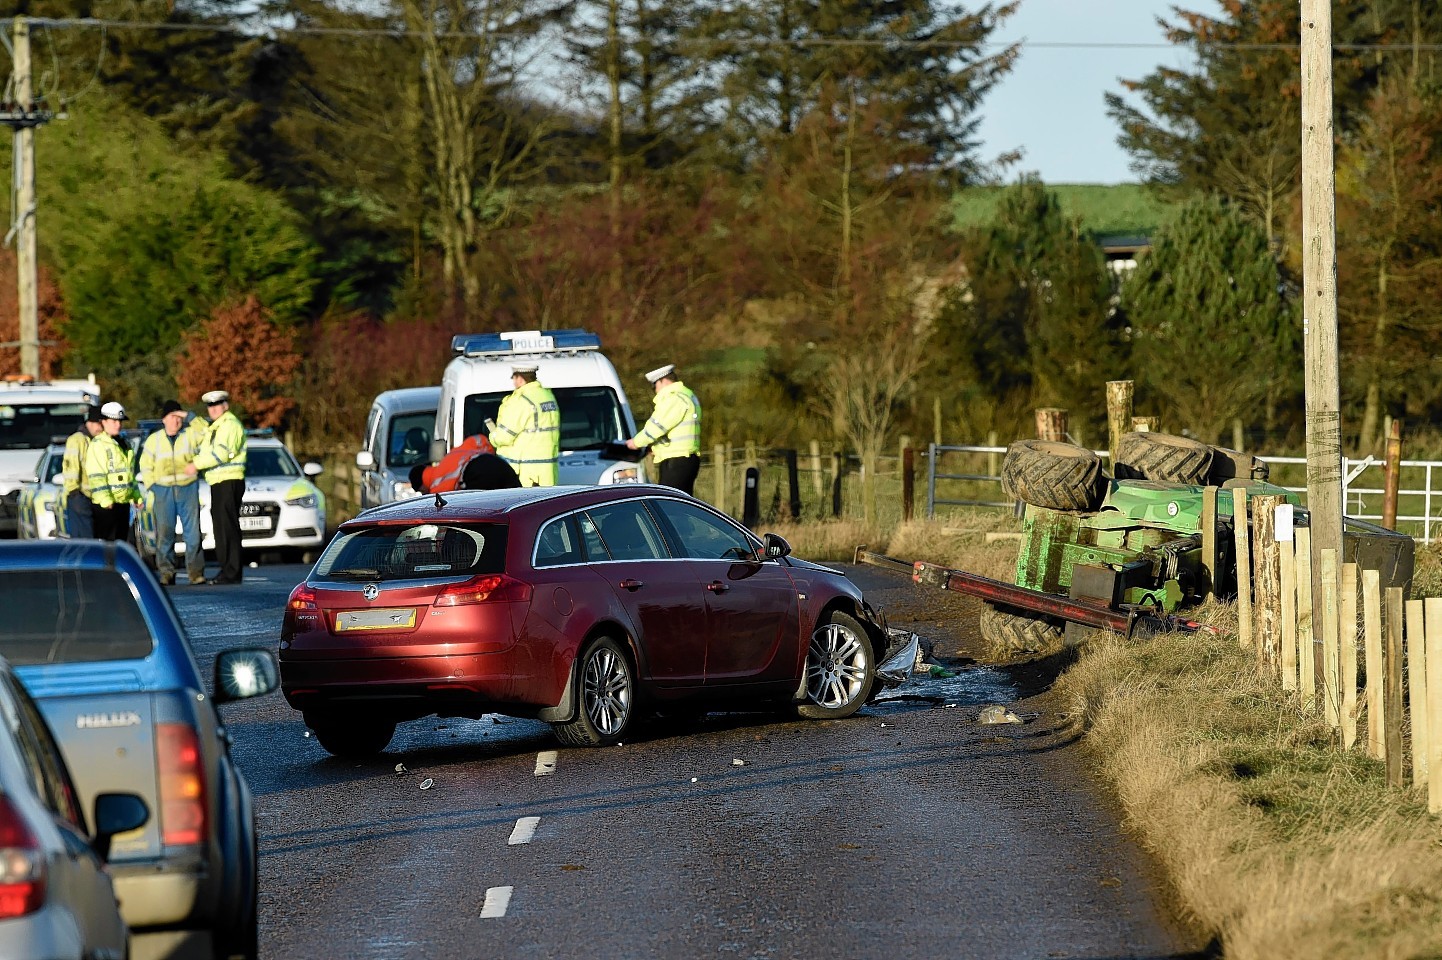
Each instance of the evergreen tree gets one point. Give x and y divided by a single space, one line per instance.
1212 332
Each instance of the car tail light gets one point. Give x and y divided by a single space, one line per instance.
182 784
22 864
301 598
491 588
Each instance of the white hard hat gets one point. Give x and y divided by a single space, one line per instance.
112 411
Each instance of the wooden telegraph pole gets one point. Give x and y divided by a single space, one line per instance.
22 116
1319 283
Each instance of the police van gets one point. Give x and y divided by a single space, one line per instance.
398 436
596 417
31 413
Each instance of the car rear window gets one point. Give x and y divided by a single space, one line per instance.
414 551
70 616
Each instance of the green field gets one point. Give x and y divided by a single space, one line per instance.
1127 208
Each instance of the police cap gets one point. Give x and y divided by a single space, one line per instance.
214 397
661 373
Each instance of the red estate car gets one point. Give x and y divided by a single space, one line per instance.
579 606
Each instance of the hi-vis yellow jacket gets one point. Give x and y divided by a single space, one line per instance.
674 429
528 434
163 457
72 467
111 471
221 455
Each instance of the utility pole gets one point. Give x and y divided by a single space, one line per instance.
21 115
1319 284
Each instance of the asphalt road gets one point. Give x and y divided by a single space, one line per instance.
906 831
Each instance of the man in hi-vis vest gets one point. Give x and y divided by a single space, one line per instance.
674 431
75 489
174 494
221 457
527 429
110 469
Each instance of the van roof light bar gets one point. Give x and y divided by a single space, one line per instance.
523 341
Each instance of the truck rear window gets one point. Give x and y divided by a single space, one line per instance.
414 551
70 616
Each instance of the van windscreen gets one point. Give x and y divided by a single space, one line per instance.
590 416
70 616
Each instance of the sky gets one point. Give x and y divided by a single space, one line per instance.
1051 105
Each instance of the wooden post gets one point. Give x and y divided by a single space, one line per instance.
1392 688
818 481
793 485
1347 654
1433 607
1210 573
1288 570
1306 635
1242 539
1417 690
936 420
1119 412
1331 694
1372 647
1266 583
993 465
718 462
1051 423
751 458
1319 279
908 482
838 460
1393 475
1147 424
1239 435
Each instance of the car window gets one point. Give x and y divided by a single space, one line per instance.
29 426
270 462
410 439
628 532
70 616
704 535
415 551
558 543
590 416
42 757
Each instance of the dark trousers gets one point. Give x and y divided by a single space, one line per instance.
225 498
111 523
79 522
680 472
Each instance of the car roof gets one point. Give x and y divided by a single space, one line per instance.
418 399
498 505
16 396
30 554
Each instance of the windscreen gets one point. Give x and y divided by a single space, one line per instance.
29 426
270 462
410 439
70 616
415 551
590 416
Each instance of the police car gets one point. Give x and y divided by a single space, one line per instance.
282 510
40 507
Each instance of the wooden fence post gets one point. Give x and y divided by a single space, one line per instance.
993 466
1417 690
1242 539
1392 688
718 463
1239 436
1051 423
1119 412
1331 695
1288 570
1392 475
908 482
793 485
1210 573
1306 634
838 461
1266 583
817 479
1347 653
1372 637
1433 606
936 419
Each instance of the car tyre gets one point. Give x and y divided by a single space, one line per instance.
840 669
605 698
351 738
243 943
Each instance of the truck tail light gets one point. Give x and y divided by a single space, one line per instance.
490 588
22 864
182 784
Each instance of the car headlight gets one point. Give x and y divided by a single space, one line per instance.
402 490
626 475
305 500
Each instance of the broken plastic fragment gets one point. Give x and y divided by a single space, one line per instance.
427 783
400 769
738 763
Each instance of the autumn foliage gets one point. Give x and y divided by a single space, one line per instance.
52 317
239 349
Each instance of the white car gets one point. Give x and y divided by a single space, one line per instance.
41 509
282 510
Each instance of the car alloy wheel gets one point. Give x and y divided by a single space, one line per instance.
607 698
839 669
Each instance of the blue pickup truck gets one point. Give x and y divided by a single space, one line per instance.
95 640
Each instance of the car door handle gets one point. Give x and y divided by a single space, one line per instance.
630 584
716 586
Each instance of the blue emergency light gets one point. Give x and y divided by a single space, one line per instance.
523 341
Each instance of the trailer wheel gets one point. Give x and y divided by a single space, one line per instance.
1057 476
1009 632
1162 457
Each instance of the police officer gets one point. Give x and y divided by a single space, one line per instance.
527 429
110 467
221 456
174 493
79 523
674 431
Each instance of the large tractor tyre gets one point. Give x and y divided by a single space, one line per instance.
1058 476
1162 457
1010 633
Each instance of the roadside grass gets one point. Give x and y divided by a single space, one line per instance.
1275 842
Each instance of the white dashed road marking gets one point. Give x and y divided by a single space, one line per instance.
546 763
524 831
497 900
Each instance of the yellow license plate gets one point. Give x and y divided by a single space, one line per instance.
381 618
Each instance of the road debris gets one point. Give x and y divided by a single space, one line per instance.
996 713
400 769
427 783
742 763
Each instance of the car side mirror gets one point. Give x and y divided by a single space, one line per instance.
438 451
776 546
313 469
116 813
244 673
365 460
